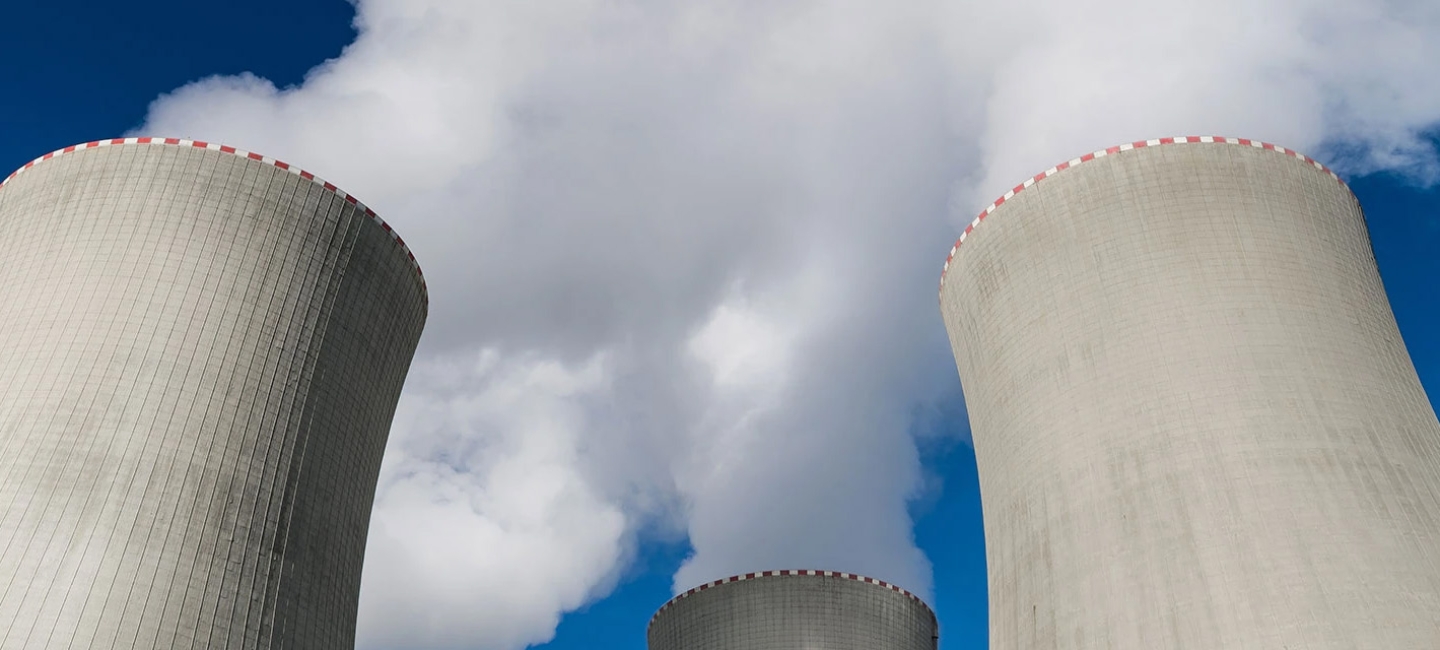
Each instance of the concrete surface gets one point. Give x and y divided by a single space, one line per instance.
200 356
794 612
1195 421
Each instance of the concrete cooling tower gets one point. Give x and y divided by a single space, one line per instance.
794 610
1195 421
201 350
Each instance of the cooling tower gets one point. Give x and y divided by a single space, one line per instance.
794 610
201 350
1195 422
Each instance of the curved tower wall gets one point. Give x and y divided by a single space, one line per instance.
201 351
782 610
1195 421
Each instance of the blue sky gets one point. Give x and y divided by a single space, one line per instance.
79 71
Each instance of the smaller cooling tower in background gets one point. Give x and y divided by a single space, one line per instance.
784 610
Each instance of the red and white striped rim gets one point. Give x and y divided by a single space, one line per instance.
788 572
424 292
1206 139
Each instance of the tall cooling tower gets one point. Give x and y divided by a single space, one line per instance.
1195 421
794 610
201 351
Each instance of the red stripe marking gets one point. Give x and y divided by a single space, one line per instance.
200 144
1116 149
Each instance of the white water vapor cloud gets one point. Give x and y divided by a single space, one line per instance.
682 257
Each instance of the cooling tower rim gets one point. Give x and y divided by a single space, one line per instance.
788 572
250 155
1138 144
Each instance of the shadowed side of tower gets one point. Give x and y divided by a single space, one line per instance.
1195 421
785 610
201 351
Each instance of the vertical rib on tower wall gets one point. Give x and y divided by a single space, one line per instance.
200 356
1195 421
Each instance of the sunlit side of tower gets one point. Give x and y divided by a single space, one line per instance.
201 351
787 610
1195 421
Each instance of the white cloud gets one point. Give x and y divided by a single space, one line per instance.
1065 78
485 528
683 257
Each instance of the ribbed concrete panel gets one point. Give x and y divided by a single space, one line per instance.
794 610
1195 421
200 357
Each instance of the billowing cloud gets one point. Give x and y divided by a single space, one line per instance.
1334 78
683 257
484 520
